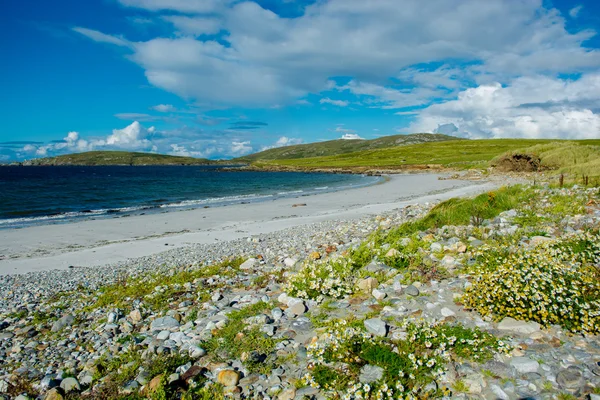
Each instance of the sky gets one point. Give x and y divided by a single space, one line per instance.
224 78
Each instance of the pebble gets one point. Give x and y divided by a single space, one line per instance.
376 326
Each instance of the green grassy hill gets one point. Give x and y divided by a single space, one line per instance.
573 156
342 146
118 158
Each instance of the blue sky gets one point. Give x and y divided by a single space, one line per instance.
222 78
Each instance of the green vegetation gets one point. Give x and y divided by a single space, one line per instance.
408 366
243 340
92 158
342 146
458 154
554 283
121 294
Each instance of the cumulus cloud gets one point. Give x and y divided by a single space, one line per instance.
531 107
194 26
339 103
184 6
240 148
351 136
132 137
163 108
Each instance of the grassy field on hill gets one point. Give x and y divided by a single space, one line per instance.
573 156
342 146
92 158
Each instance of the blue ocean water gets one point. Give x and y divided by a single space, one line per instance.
35 195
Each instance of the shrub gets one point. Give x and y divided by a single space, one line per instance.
557 282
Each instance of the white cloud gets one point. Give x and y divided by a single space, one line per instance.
266 59
339 103
531 107
240 148
574 12
195 26
102 37
163 108
132 137
351 136
282 142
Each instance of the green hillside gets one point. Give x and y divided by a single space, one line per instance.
118 158
342 146
572 156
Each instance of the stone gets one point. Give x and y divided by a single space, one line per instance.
446 312
3 386
163 335
289 262
191 373
367 285
370 374
524 365
435 247
570 378
63 322
287 394
154 384
53 394
228 377
378 294
297 307
536 240
376 326
164 323
411 290
249 264
196 352
70 385
392 253
523 327
499 393
315 255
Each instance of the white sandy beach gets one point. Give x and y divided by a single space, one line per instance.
105 241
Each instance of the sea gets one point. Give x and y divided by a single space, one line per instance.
61 194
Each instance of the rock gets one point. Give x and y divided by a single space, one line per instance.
70 385
164 323
249 264
3 386
287 394
53 394
524 327
392 253
163 335
66 320
191 373
378 294
289 262
411 290
367 285
228 377
524 365
315 255
570 378
296 306
498 392
446 312
370 373
376 326
435 247
135 316
474 385
196 352
154 384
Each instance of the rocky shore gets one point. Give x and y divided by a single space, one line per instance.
326 310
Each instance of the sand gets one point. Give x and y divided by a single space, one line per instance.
111 240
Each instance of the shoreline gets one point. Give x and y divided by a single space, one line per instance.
100 242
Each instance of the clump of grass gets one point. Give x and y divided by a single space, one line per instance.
554 283
123 293
319 279
237 338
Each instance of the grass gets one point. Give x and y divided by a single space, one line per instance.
124 292
456 154
236 338
334 147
